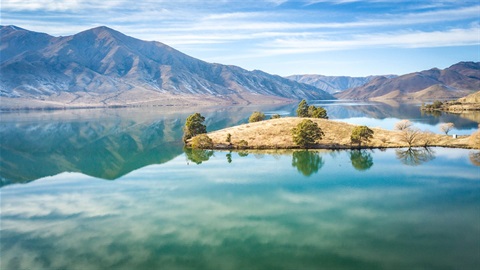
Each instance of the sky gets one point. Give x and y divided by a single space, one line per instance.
328 37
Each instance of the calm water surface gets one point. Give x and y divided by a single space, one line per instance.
170 209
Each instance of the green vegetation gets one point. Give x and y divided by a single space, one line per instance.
436 105
201 141
194 126
229 138
275 116
311 111
307 133
256 117
361 134
242 144
302 109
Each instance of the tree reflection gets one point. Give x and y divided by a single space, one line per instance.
415 156
361 160
474 158
198 155
307 162
229 157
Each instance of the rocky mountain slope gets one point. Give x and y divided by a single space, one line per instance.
103 67
456 81
334 84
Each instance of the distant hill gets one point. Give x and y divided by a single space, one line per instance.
334 84
103 67
456 81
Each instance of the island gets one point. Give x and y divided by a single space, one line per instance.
277 134
468 103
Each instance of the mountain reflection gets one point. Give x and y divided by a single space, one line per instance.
415 156
307 162
361 159
105 144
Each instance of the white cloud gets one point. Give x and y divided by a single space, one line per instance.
415 39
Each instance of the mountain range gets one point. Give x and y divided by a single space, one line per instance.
334 84
455 81
103 67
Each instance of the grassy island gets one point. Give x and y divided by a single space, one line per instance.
277 134
468 103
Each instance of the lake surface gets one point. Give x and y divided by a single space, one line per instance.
114 189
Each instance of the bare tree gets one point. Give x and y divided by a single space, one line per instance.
402 125
446 127
408 134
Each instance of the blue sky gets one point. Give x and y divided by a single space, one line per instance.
329 37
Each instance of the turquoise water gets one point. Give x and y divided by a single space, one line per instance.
301 210
114 189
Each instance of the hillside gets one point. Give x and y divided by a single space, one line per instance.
456 81
334 84
276 134
103 67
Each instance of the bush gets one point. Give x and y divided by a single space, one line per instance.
275 116
306 133
256 117
242 144
201 141
361 134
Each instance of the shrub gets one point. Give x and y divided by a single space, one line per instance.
242 144
256 117
306 133
275 116
361 134
201 141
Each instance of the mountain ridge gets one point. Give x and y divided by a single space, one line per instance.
104 67
456 81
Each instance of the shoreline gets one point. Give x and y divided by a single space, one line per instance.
276 134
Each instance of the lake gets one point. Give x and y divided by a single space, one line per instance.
114 189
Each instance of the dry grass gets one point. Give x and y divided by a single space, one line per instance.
276 134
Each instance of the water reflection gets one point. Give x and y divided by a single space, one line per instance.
474 158
361 159
307 162
415 156
198 156
173 216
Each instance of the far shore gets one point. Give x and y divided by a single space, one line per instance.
276 134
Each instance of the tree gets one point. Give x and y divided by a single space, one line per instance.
302 109
402 125
306 133
317 112
256 117
446 127
229 138
201 141
194 126
361 134
410 136
275 116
